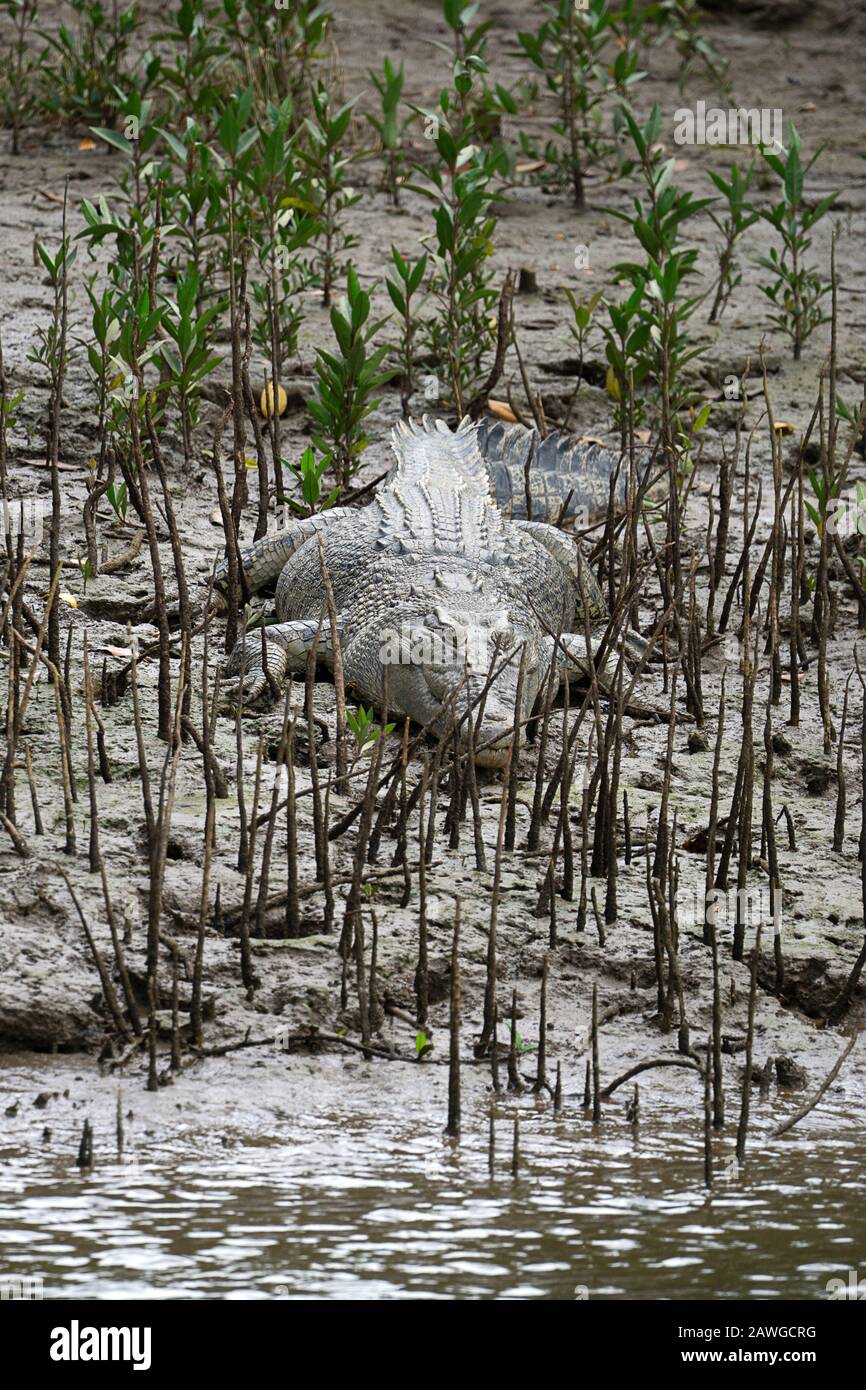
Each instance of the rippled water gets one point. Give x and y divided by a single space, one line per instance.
353 1209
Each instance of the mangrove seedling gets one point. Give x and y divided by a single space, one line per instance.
326 189
17 90
308 472
797 289
388 126
571 50
401 290
737 219
364 728
83 65
461 335
344 395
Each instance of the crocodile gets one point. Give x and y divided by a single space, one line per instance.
439 586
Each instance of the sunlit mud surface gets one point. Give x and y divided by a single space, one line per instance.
349 1208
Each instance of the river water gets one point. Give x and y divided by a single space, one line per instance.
348 1207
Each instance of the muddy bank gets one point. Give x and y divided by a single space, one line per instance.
51 998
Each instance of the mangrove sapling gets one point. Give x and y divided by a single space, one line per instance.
401 290
105 329
325 187
187 358
307 42
189 71
572 50
737 220
191 183
83 66
273 182
656 225
629 362
344 394
580 329
308 472
17 90
388 126
138 136
118 497
236 136
480 106
680 20
137 346
239 356
276 46
365 730
460 335
797 289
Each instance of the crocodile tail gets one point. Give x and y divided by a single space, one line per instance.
559 465
428 453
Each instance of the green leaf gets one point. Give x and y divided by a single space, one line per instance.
113 137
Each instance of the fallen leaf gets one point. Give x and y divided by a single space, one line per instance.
87 144
591 439
502 411
782 427
532 167
69 599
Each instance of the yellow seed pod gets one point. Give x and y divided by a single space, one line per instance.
266 402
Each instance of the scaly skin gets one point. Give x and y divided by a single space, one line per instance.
564 473
433 587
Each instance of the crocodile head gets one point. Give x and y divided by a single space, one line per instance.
443 664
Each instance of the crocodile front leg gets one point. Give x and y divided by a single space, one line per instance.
576 658
287 647
263 561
